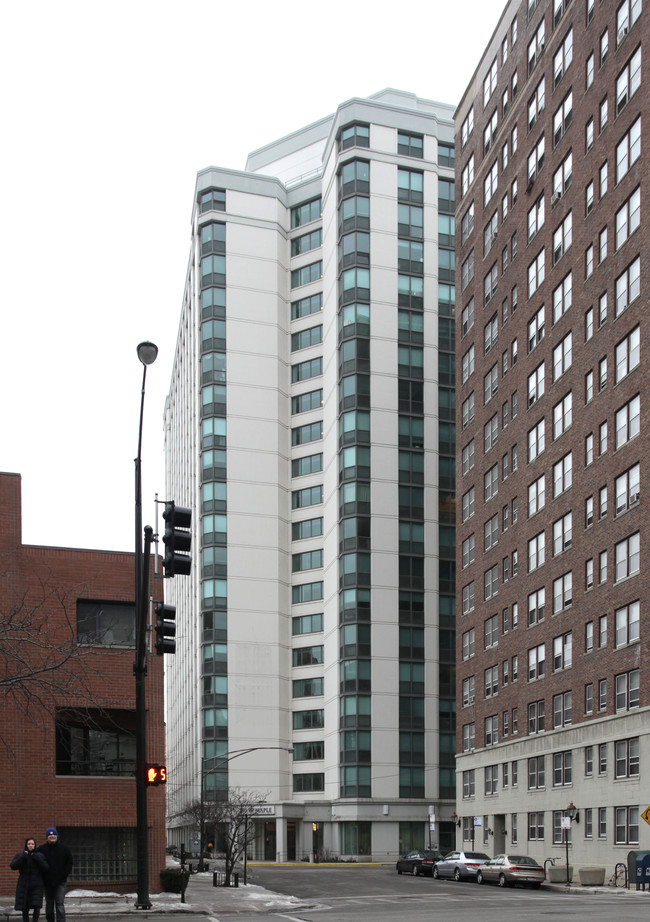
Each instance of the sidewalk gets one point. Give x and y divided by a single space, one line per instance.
201 900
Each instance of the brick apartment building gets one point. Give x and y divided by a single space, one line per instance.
67 743
552 680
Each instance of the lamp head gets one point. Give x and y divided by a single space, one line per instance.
147 353
572 811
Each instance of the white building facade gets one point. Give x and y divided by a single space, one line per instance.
310 427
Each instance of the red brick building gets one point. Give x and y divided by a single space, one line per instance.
552 333
67 713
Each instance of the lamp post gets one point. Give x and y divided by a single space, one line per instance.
219 761
572 814
147 353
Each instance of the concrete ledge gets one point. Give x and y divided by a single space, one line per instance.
591 876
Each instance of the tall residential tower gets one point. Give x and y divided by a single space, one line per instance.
552 678
310 425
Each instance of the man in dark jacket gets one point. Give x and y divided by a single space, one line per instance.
59 860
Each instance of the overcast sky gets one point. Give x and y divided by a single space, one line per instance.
108 112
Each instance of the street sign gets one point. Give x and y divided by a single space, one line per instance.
646 815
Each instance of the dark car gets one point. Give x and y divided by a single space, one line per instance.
460 865
508 870
412 863
428 863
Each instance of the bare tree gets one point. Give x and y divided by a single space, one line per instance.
231 818
42 665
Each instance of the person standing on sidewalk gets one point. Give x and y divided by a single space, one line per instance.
31 867
59 860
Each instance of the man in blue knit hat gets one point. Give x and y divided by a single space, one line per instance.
59 859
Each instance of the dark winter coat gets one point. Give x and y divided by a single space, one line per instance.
31 867
59 862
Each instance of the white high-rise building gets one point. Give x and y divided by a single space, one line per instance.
310 426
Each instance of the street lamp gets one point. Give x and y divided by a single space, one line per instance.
219 761
572 814
147 353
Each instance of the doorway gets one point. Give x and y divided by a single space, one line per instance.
269 841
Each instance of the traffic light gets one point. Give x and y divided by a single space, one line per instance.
177 540
165 628
155 775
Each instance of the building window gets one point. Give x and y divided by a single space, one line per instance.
562 768
355 135
628 218
410 145
628 81
627 825
90 742
306 212
627 690
536 775
536 662
536 721
105 623
628 286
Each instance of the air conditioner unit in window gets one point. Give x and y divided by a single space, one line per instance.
555 198
622 32
470 700
634 498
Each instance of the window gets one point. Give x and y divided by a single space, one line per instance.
627 825
311 273
628 487
628 81
562 297
562 356
628 423
536 606
491 483
562 768
604 46
627 758
491 582
468 644
562 533
627 690
536 217
468 504
627 624
469 738
536 104
589 70
469 548
536 273
589 511
589 386
603 113
562 237
467 317
491 681
628 217
536 827
491 532
307 528
536 495
628 286
536 329
307 656
562 651
467 223
468 363
489 83
310 496
589 703
311 400
602 179
602 500
589 637
310 433
562 592
536 772
536 47
305 688
490 384
628 353
536 662
562 415
491 182
562 118
468 691
469 783
105 623
410 145
468 457
589 449
492 730
468 410
491 779
468 598
306 212
306 306
535 160
562 58
467 274
536 551
307 624
562 474
602 632
536 440
467 175
467 127
562 709
562 178
307 560
490 132
627 553
355 135
536 384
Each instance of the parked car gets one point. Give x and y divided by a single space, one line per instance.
460 865
508 870
413 862
428 863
